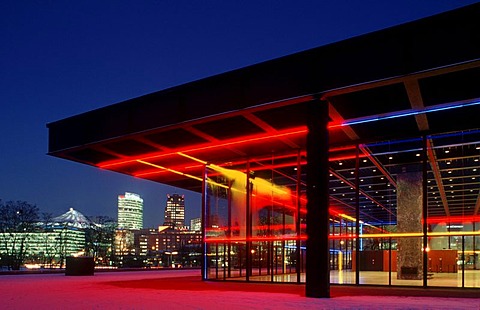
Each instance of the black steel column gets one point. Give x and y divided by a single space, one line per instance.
425 211
229 234
317 260
463 261
474 248
357 215
298 228
248 224
204 223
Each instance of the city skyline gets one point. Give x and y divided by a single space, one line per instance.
64 59
129 196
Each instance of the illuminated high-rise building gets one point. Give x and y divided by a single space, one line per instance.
175 211
130 211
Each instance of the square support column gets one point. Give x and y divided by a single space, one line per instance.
317 261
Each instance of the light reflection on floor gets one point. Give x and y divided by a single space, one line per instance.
471 278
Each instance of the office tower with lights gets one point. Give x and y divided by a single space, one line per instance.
130 211
196 224
175 211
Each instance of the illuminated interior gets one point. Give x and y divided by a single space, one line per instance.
391 136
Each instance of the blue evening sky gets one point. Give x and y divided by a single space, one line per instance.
61 58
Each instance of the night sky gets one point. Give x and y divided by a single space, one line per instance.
61 58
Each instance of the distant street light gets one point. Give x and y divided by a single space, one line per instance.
170 262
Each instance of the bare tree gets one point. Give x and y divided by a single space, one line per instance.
100 239
17 221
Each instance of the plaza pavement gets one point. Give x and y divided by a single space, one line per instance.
183 289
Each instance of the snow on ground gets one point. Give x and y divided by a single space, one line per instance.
182 289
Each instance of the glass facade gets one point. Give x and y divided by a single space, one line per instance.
402 212
130 211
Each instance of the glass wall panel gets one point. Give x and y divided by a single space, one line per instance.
342 209
392 182
453 202
225 223
254 215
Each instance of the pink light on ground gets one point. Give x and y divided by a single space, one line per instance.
184 289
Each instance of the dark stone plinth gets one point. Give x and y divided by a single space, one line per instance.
409 273
80 266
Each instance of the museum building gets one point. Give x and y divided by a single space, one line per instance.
352 163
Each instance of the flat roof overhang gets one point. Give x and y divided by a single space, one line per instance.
406 81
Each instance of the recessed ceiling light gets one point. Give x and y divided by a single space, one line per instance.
418 154
449 171
364 160
390 157
448 163
340 163
447 151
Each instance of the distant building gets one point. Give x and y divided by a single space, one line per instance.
196 224
176 239
175 211
130 211
124 242
157 247
53 241
148 240
48 247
